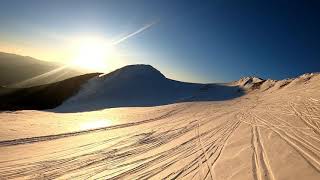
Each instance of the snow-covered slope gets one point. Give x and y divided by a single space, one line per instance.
272 132
142 85
132 86
249 84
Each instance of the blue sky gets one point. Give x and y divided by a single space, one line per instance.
199 41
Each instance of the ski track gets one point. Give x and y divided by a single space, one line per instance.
186 142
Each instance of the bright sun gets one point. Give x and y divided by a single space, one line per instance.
91 54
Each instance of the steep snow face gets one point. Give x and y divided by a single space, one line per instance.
142 85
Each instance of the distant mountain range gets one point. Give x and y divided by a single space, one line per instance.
24 71
133 85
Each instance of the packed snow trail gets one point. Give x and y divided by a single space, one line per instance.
262 135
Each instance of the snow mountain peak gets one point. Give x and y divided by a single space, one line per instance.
141 71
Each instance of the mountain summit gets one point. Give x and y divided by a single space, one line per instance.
136 71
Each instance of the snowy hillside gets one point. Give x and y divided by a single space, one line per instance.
142 85
270 132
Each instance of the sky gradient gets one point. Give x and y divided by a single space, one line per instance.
197 41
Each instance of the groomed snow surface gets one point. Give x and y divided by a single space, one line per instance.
270 132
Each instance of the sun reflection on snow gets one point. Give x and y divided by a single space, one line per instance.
95 123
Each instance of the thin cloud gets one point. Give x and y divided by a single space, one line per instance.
145 27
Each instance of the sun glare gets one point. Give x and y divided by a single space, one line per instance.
96 123
92 54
